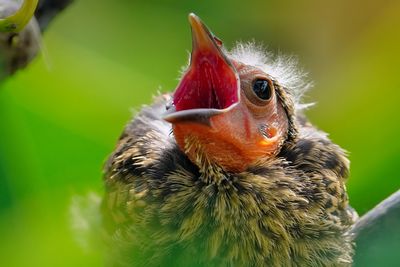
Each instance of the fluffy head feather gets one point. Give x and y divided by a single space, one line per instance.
283 68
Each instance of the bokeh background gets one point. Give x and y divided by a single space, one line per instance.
61 116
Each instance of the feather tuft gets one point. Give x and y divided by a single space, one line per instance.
282 68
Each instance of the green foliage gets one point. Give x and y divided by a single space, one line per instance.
60 119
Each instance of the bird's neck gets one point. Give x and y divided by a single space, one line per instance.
210 171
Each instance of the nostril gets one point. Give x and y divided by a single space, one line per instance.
268 131
271 132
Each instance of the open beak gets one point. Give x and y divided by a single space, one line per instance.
210 86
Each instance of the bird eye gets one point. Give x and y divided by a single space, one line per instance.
263 89
259 90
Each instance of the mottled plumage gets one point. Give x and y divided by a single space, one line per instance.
290 209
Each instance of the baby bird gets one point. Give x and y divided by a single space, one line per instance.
227 171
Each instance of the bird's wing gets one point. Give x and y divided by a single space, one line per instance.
126 172
377 234
135 182
316 155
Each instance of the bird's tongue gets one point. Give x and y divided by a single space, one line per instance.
211 81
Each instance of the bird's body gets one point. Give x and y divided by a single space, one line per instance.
169 203
288 211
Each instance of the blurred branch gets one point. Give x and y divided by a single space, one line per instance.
377 234
387 214
48 9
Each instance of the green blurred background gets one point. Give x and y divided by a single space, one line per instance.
60 117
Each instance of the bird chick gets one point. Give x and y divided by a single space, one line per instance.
227 171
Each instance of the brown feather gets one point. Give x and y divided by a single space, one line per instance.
162 210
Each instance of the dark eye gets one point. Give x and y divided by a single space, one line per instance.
262 89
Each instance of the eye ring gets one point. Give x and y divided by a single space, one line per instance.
260 91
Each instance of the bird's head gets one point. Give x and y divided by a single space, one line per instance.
227 111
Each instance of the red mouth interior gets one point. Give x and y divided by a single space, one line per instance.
210 83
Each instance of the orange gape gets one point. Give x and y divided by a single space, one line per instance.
229 109
233 139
